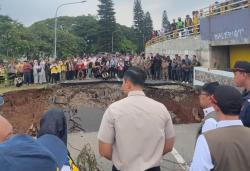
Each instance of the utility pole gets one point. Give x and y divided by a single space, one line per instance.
55 38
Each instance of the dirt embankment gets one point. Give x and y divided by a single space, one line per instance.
182 103
22 108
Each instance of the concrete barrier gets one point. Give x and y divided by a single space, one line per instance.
203 75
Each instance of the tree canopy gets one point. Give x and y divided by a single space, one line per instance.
143 25
165 22
76 36
107 24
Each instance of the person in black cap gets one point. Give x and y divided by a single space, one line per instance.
205 98
242 79
226 147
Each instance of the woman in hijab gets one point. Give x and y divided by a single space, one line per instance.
42 75
54 122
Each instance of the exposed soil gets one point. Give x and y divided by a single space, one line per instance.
23 108
183 104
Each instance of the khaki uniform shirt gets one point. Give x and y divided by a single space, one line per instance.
137 127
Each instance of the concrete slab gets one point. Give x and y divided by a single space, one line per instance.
185 143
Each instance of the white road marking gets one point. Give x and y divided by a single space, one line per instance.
183 164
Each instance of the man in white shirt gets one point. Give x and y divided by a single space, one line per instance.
136 131
226 147
205 97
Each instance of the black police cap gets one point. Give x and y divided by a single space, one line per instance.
209 87
242 66
228 99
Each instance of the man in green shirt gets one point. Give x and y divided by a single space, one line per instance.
180 26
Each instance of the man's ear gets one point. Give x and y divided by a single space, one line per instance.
216 108
211 100
129 84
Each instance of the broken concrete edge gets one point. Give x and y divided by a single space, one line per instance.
147 84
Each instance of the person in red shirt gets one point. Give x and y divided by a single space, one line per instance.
80 70
27 69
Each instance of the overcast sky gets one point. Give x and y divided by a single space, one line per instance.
30 11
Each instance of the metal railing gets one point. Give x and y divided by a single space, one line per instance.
176 34
212 10
224 7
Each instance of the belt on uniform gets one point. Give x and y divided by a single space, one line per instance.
152 169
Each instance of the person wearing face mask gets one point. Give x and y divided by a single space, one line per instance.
226 147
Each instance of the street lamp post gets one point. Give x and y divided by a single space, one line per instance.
113 40
55 39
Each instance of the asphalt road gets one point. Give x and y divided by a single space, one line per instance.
90 121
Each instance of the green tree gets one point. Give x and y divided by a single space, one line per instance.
139 24
148 23
165 22
70 45
6 34
127 46
76 35
107 25
87 28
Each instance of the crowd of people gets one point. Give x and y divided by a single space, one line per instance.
222 144
157 67
184 27
53 71
180 28
162 67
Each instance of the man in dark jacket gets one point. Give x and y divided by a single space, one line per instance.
242 79
157 66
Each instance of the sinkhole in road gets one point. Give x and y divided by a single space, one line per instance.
84 105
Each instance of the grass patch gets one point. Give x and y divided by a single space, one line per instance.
24 87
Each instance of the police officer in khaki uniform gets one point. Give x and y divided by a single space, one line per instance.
164 67
147 67
136 131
